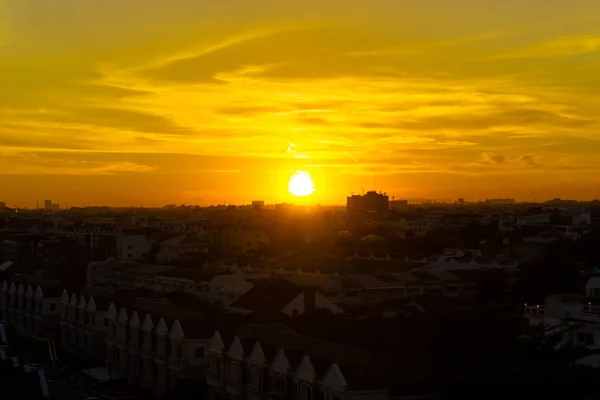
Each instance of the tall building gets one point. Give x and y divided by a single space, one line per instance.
371 202
47 204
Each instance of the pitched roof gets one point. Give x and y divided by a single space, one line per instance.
268 295
285 338
184 241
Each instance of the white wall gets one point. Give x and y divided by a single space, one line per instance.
46 306
189 352
133 247
99 324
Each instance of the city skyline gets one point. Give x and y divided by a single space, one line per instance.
206 102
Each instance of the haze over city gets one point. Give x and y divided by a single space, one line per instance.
204 102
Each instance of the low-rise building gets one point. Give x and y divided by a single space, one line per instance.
157 344
259 362
181 244
274 296
31 304
577 315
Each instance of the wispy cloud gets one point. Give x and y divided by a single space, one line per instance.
221 171
559 47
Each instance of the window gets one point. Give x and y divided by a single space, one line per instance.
129 247
585 338
352 293
305 392
199 352
52 307
256 378
215 363
178 351
129 255
280 385
589 339
412 290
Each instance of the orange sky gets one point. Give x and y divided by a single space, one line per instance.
143 102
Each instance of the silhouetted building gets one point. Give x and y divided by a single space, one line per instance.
47 204
561 202
372 202
500 202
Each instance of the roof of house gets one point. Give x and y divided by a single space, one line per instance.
283 337
184 241
268 295
362 369
33 280
146 269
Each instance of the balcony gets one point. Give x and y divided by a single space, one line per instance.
254 389
588 312
214 378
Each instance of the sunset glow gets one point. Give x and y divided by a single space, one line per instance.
439 99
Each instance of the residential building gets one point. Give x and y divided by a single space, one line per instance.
434 218
371 202
238 241
131 275
157 344
83 320
533 220
354 289
507 222
31 304
259 362
500 202
578 315
181 244
273 296
133 245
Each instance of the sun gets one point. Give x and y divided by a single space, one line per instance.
301 184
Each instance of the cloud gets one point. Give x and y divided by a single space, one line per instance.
493 158
38 164
530 159
564 46
119 118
